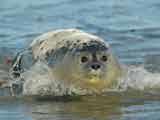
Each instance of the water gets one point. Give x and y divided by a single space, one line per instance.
114 106
131 27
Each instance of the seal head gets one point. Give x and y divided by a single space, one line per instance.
88 64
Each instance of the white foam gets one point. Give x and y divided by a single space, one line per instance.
39 81
138 78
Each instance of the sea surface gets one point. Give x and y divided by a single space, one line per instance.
131 27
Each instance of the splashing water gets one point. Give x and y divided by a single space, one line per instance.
39 81
138 78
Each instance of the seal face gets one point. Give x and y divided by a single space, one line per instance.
76 59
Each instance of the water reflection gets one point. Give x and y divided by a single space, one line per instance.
111 106
88 107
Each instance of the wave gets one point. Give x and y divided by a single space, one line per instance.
138 78
38 80
134 78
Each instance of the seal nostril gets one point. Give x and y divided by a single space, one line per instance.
95 66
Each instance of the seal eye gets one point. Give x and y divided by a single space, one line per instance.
84 59
104 58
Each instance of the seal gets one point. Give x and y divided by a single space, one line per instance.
67 61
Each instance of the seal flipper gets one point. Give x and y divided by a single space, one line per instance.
22 62
16 66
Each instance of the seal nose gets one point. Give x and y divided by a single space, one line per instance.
95 66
